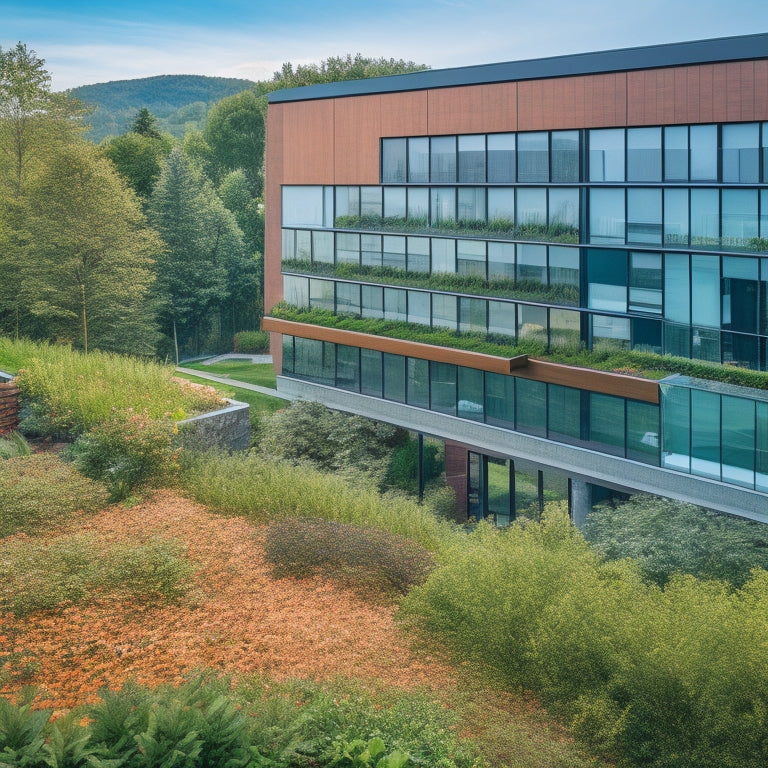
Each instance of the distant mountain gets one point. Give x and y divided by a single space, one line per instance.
178 101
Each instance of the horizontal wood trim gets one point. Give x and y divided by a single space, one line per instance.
602 382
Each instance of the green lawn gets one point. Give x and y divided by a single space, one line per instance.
259 403
261 374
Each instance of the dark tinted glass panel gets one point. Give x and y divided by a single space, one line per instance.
394 377
500 400
564 414
471 159
470 397
287 355
348 368
371 372
607 277
502 162
761 447
418 382
646 335
442 379
533 157
740 292
606 423
442 161
565 156
644 154
326 373
418 160
393 161
643 432
307 357
645 282
532 407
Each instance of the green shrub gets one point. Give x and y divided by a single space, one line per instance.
667 537
127 451
364 558
252 342
14 445
40 576
402 468
22 734
39 491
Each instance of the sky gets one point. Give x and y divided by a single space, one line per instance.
84 42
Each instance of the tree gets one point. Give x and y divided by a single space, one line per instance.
145 124
202 238
88 265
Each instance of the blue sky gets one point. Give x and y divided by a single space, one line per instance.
86 42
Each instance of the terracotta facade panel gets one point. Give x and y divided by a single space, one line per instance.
473 109
357 122
404 114
309 132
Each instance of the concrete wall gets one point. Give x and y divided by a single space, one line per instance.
228 428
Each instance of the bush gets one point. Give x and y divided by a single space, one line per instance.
363 558
252 342
14 445
127 451
39 491
402 468
40 576
667 537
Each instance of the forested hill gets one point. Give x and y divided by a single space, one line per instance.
178 101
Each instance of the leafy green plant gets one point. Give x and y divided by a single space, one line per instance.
360 753
22 734
252 342
14 445
42 490
362 558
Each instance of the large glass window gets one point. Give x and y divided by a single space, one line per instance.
347 206
322 294
442 381
501 261
643 432
533 157
739 215
443 205
418 160
304 244
470 394
322 247
303 207
705 291
418 254
418 206
393 161
677 288
606 215
565 156
472 159
443 255
442 160
444 311
606 154
738 441
532 263
610 332
394 377
348 298
502 318
676 218
394 203
500 400
395 304
417 391
472 315
644 154
532 323
564 213
418 308
501 205
296 290
370 203
606 423
564 270
370 250
676 153
564 328
676 428
703 154
371 373
348 368
288 363
741 154
470 257
373 301
740 292
532 407
644 216
645 282
564 413
471 206
394 251
705 434
502 158
532 211
289 245
607 277
347 248
705 218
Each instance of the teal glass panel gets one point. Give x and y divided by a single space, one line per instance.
502 158
372 301
763 219
394 251
564 414
705 218
646 335
348 298
371 373
348 368
418 254
741 153
644 216
500 400
321 294
565 157
442 387
703 152
444 311
393 161
643 432
740 349
705 290
606 154
417 390
761 447
472 315
677 297
442 159
705 434
676 153
394 378
532 407
470 396
307 358
418 160
740 294
644 154
533 157
472 159
705 344
532 263
607 279
501 261
676 428
607 216
645 282
296 290
395 304
287 345
676 218
738 441
502 319
532 323
419 308
739 213
607 424
370 250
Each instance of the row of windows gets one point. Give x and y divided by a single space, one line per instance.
603 423
714 435
700 217
731 153
513 322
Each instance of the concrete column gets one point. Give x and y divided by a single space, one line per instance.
581 501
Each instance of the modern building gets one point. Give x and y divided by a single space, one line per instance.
439 235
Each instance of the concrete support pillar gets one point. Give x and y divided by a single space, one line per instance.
581 501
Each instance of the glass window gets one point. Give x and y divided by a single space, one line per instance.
532 323
606 154
644 154
677 288
705 434
393 161
418 160
442 159
302 206
347 206
607 278
287 367
418 254
394 203
443 255
564 270
646 335
442 387
325 372
565 156
705 291
394 378
738 441
564 328
761 447
347 248
676 153
703 155
533 157
740 293
417 391
741 154
370 204
470 257
763 221
610 332
564 414
443 206
306 357
644 216
501 208
371 373
500 400
532 212
739 217
502 158
289 245
472 315
607 423
606 216
765 152
322 294
643 432
348 368
394 251
502 319
370 250
677 339
532 263
532 407
564 214
395 304
705 218
471 159
501 261
676 218
296 290
348 298
645 282
705 344
444 311
470 394
418 206
418 308
304 244
676 428
322 247
372 301
471 206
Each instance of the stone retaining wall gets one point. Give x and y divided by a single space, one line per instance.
9 404
228 428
